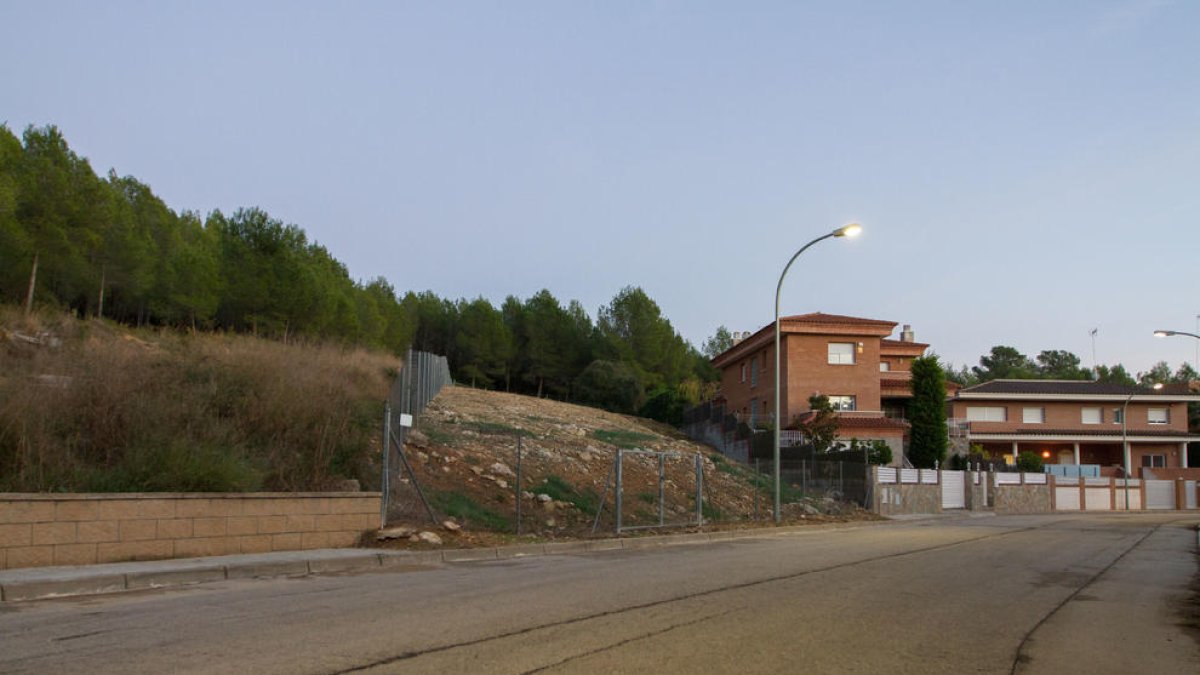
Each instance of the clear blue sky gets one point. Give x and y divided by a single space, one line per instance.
1025 171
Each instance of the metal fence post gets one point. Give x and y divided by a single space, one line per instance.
518 493
387 452
757 486
699 489
617 495
662 478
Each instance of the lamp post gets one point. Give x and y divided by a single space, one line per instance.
851 230
1172 333
1125 440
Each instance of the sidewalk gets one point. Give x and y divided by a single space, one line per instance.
57 582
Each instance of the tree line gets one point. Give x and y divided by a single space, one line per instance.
1008 363
109 247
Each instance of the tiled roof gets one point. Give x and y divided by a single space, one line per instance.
823 318
1115 433
887 342
1059 388
870 423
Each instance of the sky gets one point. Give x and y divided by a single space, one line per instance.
1024 171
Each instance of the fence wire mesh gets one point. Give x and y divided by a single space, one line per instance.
420 379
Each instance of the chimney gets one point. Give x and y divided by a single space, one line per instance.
906 335
738 336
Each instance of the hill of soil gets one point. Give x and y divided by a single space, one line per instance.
464 454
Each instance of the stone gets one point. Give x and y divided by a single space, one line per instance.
477 471
416 439
501 469
451 526
550 522
527 495
548 506
501 483
429 538
543 498
422 457
399 532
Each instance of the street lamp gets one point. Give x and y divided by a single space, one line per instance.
851 230
1171 333
1125 439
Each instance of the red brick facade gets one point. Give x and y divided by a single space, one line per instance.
838 356
1074 422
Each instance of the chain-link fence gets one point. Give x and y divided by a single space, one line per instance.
419 380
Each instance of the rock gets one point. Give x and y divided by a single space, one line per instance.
527 495
416 439
422 457
550 522
501 469
399 532
543 498
429 538
810 509
445 469
477 471
451 526
548 506
501 483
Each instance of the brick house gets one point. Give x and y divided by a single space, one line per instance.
849 359
1077 422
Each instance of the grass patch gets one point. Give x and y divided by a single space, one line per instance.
495 428
461 506
627 440
710 512
648 497
560 490
438 436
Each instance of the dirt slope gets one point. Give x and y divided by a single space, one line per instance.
464 453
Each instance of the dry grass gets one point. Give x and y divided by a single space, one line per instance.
112 409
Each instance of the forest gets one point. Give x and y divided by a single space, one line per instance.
108 247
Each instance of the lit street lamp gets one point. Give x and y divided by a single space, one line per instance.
851 230
1171 333
1125 439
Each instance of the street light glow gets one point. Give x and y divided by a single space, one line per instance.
1163 333
851 230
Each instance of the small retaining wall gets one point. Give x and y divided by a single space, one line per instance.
37 530
900 498
1023 498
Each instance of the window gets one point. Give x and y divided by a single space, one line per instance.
884 366
754 372
1091 415
1118 415
841 353
842 402
987 414
743 371
1033 415
1158 415
1154 461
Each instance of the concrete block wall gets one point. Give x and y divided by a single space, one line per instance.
38 530
893 499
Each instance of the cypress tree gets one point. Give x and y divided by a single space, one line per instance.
927 413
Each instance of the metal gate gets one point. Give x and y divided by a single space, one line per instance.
954 492
1160 494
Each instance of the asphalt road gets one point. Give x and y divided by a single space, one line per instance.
1037 594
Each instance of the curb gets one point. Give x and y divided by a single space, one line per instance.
63 582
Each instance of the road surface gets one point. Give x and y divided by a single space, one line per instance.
1029 594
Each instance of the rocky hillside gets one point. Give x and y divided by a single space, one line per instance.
463 451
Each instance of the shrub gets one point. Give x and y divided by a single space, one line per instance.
1029 462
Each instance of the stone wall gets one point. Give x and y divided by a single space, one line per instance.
892 499
1023 498
81 529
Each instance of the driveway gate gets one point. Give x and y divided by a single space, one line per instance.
954 491
1160 494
